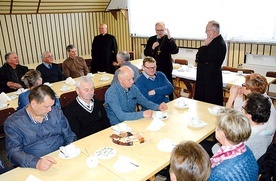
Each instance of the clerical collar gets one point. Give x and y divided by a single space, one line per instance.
88 108
148 77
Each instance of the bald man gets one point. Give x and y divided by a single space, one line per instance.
104 51
123 96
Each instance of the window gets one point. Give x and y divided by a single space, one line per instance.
239 20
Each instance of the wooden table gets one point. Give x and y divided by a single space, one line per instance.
57 86
149 158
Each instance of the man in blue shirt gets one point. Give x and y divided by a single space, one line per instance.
36 130
153 84
123 96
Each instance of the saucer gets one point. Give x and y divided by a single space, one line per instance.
64 90
214 111
13 96
78 151
105 153
165 116
3 105
180 107
104 78
166 148
199 123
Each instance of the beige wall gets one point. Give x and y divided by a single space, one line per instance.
31 34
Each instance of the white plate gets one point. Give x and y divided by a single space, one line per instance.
78 151
13 96
50 85
125 165
225 71
3 105
165 116
167 148
105 153
199 123
180 107
104 78
65 90
117 130
215 110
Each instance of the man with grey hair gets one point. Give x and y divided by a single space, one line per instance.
37 130
86 115
209 58
50 71
104 51
122 97
123 59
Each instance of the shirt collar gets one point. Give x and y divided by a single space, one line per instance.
83 104
37 122
148 77
46 65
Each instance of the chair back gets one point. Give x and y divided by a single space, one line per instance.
4 114
88 63
246 71
181 61
270 74
100 92
66 98
231 69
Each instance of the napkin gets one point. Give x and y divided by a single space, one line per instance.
4 97
155 125
32 178
70 81
125 164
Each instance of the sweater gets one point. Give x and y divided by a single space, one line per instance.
242 167
52 74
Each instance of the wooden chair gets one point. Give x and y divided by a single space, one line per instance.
246 71
181 61
231 69
181 84
88 63
66 98
100 92
4 114
271 94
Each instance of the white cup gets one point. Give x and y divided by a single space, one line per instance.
216 110
240 72
47 83
89 74
92 162
195 121
70 149
122 126
181 103
159 114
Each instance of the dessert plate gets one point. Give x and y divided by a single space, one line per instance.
105 153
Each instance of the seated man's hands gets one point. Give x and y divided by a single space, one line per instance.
45 163
147 113
163 106
14 85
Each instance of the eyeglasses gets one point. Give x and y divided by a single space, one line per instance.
50 56
150 68
159 30
243 85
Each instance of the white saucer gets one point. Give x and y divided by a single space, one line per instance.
165 116
105 153
200 123
166 148
215 110
78 151
125 165
13 96
104 78
180 107
3 105
65 90
225 71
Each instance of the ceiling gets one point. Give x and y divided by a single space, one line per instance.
51 6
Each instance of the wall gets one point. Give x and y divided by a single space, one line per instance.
31 34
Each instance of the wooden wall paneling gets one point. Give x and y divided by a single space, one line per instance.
273 50
36 44
63 35
3 38
31 39
57 52
26 47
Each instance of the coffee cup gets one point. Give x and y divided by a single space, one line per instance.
92 162
122 127
195 121
180 103
159 114
89 74
70 149
240 72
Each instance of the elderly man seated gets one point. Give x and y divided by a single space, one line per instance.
122 97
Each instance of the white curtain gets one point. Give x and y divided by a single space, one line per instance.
239 20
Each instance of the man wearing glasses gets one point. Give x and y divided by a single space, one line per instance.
160 47
153 84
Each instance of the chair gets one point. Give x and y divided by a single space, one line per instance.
4 114
246 71
66 98
271 94
100 92
88 63
181 61
231 69
189 85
